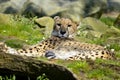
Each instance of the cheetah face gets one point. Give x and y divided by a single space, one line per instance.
64 28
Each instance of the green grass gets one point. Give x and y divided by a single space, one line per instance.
99 73
22 29
108 20
79 65
98 69
105 69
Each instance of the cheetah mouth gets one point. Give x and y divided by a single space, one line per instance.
63 36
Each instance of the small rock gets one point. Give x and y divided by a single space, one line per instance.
93 27
47 23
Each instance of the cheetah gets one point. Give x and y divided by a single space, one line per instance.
64 28
61 45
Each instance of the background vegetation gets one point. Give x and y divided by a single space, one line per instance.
18 31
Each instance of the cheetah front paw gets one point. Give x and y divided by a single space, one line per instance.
2 47
50 54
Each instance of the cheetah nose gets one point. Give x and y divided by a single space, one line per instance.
50 55
62 32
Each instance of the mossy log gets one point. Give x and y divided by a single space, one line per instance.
24 67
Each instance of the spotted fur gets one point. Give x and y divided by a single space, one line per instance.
74 50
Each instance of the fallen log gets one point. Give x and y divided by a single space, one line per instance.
23 67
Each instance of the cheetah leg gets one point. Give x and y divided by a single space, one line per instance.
6 49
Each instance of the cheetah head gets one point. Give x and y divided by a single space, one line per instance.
64 28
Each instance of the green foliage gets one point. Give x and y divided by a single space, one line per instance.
8 78
103 42
98 41
42 77
99 73
104 69
15 43
108 20
79 66
21 28
115 46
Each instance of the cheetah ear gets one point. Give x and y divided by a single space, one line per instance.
56 17
77 24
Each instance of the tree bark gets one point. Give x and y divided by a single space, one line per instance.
23 67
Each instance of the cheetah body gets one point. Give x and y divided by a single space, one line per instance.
61 45
73 50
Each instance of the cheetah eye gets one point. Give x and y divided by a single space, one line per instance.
69 25
58 24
